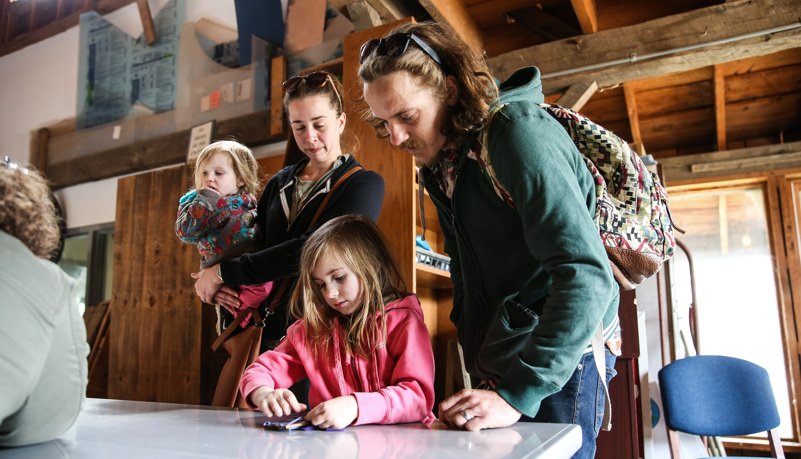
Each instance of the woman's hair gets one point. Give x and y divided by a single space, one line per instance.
358 243
477 89
27 211
332 90
242 161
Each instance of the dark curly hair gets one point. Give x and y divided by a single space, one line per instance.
27 211
477 89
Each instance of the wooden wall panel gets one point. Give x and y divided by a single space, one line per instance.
160 334
397 219
156 319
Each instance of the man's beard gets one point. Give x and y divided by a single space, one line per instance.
415 144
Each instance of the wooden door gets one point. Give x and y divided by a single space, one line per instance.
625 438
157 322
160 333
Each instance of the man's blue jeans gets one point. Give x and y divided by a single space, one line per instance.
581 401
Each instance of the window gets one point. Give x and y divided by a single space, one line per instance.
87 257
728 240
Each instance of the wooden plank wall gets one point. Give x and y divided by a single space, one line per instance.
160 333
155 333
395 166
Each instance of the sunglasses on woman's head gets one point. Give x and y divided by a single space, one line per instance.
314 79
394 46
7 162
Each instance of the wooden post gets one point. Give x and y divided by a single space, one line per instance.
277 77
39 158
147 22
720 107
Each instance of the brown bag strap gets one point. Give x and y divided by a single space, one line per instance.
232 326
284 282
330 192
257 319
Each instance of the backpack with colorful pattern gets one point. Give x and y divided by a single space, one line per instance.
631 211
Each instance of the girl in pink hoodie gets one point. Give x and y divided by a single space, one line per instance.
361 339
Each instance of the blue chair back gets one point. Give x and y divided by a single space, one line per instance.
716 396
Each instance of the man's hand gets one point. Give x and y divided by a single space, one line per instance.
278 402
336 413
476 409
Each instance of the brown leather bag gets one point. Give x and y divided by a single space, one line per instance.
243 348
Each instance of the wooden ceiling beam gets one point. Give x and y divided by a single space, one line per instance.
681 42
577 95
453 15
390 10
688 169
634 116
720 107
543 23
341 4
586 14
489 14
147 22
363 15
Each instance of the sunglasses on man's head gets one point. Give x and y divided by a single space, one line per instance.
314 79
394 46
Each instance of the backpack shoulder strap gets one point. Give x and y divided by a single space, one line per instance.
485 163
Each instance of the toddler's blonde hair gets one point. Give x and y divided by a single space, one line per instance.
242 161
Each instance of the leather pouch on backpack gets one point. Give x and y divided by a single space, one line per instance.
506 336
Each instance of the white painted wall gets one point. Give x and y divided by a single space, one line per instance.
40 87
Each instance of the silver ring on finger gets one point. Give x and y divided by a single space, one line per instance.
467 416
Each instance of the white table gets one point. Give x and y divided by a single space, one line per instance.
119 429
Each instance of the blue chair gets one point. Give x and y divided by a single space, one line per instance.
718 396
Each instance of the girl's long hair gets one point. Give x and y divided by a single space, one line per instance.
358 243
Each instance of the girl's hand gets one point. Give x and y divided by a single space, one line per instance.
278 402
336 413
207 283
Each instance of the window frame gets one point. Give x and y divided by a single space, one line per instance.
95 259
783 209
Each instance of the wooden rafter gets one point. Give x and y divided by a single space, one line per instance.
700 167
452 14
543 23
341 4
586 14
363 15
389 10
60 25
614 56
147 22
634 117
720 107
577 95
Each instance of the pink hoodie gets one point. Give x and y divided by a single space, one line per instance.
395 386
